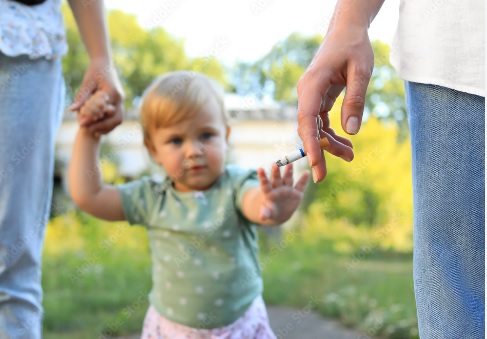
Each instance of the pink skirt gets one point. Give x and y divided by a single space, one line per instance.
254 324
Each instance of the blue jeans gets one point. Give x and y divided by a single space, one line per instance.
31 101
448 146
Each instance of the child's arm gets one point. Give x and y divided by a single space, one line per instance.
276 200
85 184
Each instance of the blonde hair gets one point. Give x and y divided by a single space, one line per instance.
176 96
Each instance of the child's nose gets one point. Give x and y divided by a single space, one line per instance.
194 148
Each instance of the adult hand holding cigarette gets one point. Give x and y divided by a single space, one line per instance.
298 154
329 141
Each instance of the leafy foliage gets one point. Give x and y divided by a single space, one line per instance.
385 93
277 73
372 191
140 55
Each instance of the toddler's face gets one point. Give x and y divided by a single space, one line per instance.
192 152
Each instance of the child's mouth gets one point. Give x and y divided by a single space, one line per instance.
196 168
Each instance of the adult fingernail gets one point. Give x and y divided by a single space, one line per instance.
352 125
315 175
344 157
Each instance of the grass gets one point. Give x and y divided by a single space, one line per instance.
110 298
374 295
96 278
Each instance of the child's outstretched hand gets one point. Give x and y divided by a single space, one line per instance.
280 198
94 108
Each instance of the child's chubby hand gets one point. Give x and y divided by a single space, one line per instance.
280 198
94 109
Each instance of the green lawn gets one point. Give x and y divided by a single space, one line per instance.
373 294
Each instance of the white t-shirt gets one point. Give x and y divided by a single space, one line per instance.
441 42
36 31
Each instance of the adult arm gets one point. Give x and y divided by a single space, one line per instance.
101 73
343 60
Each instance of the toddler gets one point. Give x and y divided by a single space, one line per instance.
201 218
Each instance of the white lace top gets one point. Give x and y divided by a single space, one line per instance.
37 31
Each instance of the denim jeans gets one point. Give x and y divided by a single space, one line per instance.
31 101
448 146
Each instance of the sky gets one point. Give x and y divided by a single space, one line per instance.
244 30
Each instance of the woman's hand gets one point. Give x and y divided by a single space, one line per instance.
101 77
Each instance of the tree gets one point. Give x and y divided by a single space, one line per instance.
140 55
385 93
374 190
277 73
75 62
211 67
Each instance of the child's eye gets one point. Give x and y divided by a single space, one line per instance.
176 141
206 135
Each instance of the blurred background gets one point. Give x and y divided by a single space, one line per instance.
348 251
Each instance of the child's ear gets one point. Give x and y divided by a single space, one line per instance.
227 133
150 148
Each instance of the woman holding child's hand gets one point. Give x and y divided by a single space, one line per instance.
101 74
95 109
101 79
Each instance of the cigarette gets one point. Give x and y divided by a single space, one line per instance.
298 154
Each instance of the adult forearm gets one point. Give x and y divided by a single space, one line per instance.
359 13
90 18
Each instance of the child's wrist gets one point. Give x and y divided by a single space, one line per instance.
86 133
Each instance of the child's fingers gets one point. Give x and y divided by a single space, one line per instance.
287 178
265 185
276 180
110 110
97 104
84 116
100 96
92 109
301 184
103 95
95 108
